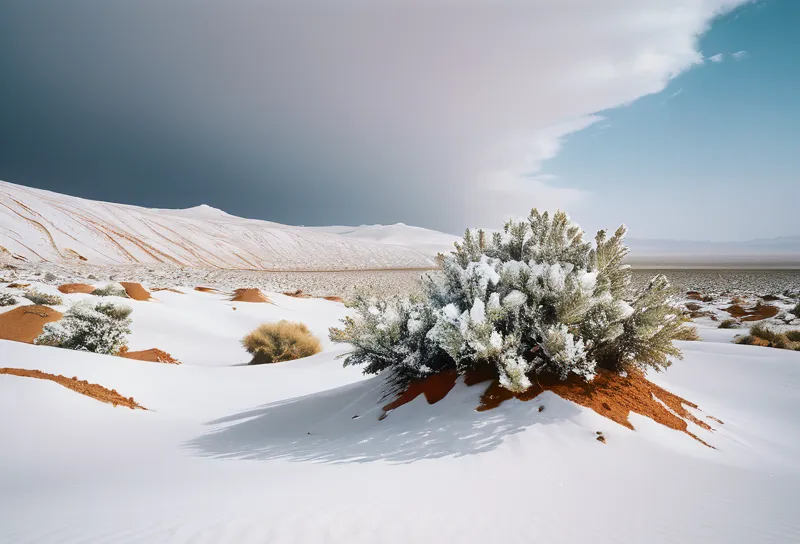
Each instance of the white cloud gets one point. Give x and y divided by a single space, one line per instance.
719 57
449 97
740 55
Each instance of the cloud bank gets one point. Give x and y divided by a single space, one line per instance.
436 112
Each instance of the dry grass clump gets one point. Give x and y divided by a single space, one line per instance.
763 336
688 334
45 299
728 324
796 310
281 341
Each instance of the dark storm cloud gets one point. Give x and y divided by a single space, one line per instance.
313 113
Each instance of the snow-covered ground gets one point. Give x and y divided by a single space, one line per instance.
38 225
429 242
295 452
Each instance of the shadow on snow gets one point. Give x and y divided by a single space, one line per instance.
323 427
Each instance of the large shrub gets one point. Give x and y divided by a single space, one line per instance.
99 328
281 341
534 298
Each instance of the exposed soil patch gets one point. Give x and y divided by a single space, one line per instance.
297 294
18 285
757 313
83 387
250 295
25 323
609 394
435 388
205 289
152 355
136 291
71 288
170 289
334 299
694 295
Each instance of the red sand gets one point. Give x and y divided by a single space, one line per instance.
334 299
25 323
250 295
609 394
70 288
757 313
83 387
170 289
152 355
205 289
136 291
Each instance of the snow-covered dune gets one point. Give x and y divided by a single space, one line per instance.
297 451
427 241
38 225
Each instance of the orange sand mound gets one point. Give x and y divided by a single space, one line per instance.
25 323
609 394
205 289
70 288
757 313
170 289
81 386
297 294
136 291
250 295
334 299
435 388
152 355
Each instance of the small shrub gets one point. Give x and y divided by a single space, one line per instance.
281 341
111 290
793 336
760 335
50 277
99 328
37 297
7 299
796 310
728 324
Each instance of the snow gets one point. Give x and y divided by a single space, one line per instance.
37 225
429 242
275 453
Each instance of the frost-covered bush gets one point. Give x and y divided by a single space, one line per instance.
111 290
7 299
281 341
99 328
796 310
535 298
37 297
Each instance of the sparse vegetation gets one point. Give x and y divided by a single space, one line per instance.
796 310
37 297
281 341
99 328
534 299
761 335
7 299
729 324
111 290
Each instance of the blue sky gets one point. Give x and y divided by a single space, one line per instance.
434 113
716 155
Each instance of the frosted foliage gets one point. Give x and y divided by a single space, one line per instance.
535 298
99 328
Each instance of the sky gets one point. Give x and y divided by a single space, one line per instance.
676 117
